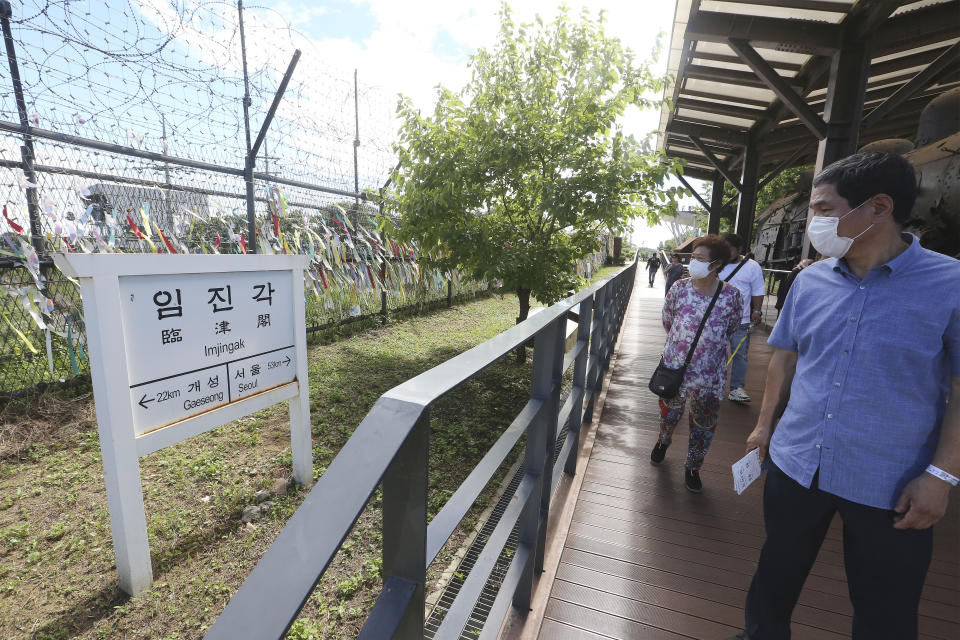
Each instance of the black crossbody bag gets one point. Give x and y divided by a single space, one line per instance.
665 382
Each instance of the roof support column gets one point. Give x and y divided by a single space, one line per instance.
843 109
716 205
844 106
749 179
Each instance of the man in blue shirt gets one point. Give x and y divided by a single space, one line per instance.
867 355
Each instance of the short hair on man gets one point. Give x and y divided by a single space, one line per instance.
859 177
735 241
716 246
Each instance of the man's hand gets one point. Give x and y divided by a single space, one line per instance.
759 438
756 316
922 503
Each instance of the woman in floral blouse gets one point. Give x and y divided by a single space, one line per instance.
705 378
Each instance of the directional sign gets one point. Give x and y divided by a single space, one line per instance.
200 341
179 345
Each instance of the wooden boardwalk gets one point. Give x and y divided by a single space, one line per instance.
643 558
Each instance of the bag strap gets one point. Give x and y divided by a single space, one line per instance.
703 322
734 272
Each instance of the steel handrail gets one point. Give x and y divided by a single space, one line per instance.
390 447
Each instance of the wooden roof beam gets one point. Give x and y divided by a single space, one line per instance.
683 142
917 28
720 57
725 76
776 83
802 36
698 173
810 5
895 65
721 108
700 161
919 81
714 134
740 100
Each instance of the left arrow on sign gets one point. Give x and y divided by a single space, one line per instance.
143 401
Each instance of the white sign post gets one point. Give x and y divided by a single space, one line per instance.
179 345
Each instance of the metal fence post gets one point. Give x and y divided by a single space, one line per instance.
535 456
556 347
594 370
405 523
249 160
356 141
609 320
579 384
26 151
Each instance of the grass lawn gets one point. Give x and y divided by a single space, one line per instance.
57 577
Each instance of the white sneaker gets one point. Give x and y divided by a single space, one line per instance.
738 395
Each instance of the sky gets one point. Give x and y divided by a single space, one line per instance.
181 93
411 47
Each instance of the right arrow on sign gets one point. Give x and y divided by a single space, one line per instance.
143 401
287 361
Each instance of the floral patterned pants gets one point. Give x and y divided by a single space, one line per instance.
704 409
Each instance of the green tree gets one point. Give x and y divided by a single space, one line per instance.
520 173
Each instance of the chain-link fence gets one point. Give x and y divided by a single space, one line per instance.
125 127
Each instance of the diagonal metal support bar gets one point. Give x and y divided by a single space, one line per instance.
694 192
781 87
715 161
919 82
276 103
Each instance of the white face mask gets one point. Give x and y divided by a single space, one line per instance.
824 238
698 269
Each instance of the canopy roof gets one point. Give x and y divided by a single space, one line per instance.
758 69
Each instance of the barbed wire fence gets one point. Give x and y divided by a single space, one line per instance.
122 128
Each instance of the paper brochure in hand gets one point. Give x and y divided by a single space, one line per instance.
746 470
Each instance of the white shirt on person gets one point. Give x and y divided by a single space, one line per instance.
749 280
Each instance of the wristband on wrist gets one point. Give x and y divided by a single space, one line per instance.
947 477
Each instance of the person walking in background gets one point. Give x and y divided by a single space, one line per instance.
866 374
788 282
673 273
746 275
683 310
653 263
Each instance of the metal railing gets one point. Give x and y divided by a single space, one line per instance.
773 278
390 447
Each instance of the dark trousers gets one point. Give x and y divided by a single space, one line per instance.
653 276
886 567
